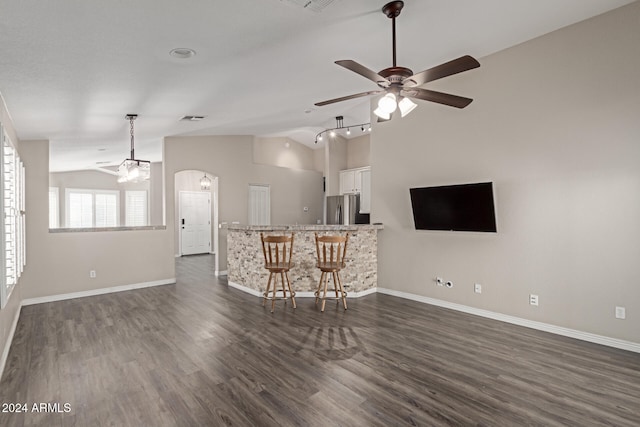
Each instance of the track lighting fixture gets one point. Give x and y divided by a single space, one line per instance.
339 126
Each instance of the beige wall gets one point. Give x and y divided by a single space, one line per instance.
555 125
10 311
283 152
59 263
318 160
156 193
335 161
359 151
230 158
95 180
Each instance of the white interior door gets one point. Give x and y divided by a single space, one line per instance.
195 222
259 205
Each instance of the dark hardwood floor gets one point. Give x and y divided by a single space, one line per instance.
199 353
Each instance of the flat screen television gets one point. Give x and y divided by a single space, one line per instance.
466 207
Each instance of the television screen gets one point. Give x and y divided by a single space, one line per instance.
466 207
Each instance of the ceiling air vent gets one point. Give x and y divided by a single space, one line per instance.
191 118
314 5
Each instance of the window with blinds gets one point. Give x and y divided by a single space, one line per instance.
92 208
136 208
13 233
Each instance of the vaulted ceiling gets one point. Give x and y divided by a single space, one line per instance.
71 70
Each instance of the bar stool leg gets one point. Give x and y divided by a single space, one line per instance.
284 291
319 286
344 296
266 293
293 299
335 285
324 294
273 299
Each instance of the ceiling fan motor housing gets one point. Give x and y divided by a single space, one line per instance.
396 74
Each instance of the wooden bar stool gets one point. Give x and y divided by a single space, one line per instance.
331 252
278 251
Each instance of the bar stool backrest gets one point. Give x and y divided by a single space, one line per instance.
331 250
277 251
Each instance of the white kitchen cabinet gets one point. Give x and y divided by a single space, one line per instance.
357 181
350 181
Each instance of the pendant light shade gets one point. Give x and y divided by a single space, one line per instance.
386 105
406 106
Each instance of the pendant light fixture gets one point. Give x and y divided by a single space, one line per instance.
132 169
205 182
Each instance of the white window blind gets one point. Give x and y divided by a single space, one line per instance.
54 207
91 208
136 208
106 208
13 230
79 209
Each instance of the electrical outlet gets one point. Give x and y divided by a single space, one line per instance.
477 288
621 313
449 284
533 299
439 281
92 274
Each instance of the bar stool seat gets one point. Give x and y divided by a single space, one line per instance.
278 251
331 252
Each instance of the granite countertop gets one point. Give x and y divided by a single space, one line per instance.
304 227
92 229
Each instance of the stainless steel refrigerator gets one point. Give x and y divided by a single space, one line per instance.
345 210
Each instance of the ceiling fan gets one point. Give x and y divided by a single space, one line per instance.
400 84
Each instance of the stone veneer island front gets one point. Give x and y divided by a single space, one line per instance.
245 260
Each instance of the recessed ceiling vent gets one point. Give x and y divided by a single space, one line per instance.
192 118
314 5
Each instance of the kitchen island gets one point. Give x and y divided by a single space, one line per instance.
245 260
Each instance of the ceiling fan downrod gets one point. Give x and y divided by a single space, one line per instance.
392 10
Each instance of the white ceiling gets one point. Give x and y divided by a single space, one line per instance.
71 70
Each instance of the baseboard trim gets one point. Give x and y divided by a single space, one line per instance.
101 291
9 341
243 288
221 273
546 327
299 294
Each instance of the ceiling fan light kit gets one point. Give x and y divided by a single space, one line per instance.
406 106
399 84
133 170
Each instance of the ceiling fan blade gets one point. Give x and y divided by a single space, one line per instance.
464 63
439 97
364 72
344 98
